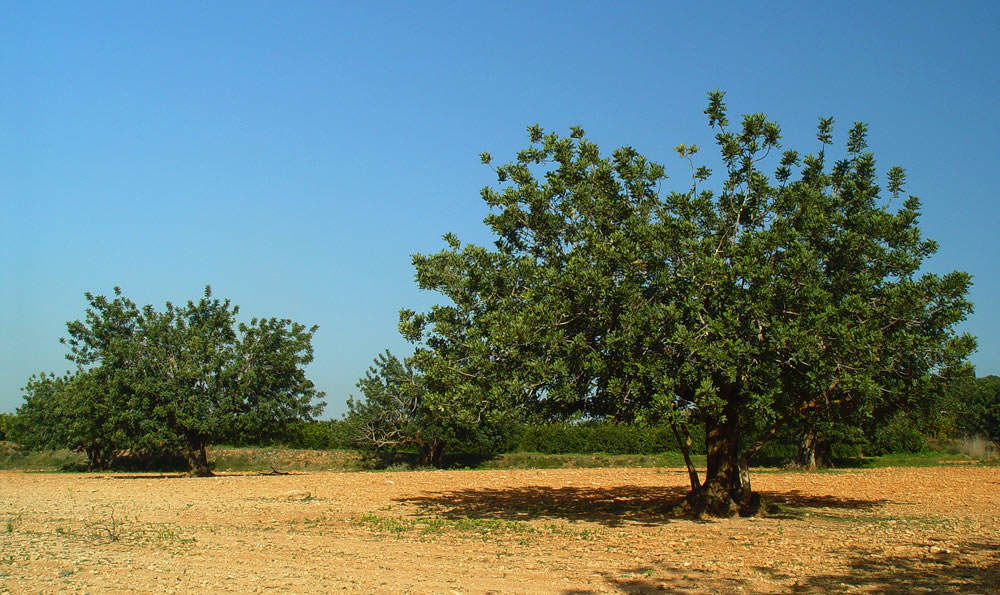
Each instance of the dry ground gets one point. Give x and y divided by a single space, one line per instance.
536 531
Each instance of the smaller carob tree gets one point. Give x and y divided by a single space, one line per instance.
187 376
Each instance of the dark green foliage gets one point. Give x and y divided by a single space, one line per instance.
978 407
317 435
41 416
901 434
7 422
600 437
75 412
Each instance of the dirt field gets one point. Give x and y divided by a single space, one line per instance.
551 531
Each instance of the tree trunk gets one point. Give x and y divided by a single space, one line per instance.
726 491
99 458
814 451
824 452
431 453
93 458
806 457
685 446
197 459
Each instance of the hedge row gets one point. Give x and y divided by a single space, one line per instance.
601 437
314 435
555 438
596 437
898 436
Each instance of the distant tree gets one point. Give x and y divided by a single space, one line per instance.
391 414
901 420
188 376
404 406
742 309
979 407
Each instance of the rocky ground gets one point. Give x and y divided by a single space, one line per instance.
535 531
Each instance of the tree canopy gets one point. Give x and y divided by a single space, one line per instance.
178 379
788 285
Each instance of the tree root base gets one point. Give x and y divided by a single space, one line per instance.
707 503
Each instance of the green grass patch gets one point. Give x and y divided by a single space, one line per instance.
251 459
44 460
919 459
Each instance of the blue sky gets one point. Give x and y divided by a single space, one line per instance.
294 155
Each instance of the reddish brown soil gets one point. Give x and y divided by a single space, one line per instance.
544 531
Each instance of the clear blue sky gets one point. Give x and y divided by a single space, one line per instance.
293 155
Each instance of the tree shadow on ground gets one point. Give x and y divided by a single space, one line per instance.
798 499
215 474
411 460
969 567
610 506
669 579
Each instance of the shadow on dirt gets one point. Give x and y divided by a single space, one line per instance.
972 567
666 579
611 507
969 567
215 475
796 499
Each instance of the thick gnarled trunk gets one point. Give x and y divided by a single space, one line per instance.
726 491
197 459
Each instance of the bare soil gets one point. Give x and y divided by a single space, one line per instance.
519 531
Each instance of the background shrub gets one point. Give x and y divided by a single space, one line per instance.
901 435
602 437
6 427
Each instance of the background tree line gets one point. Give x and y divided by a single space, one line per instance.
968 410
